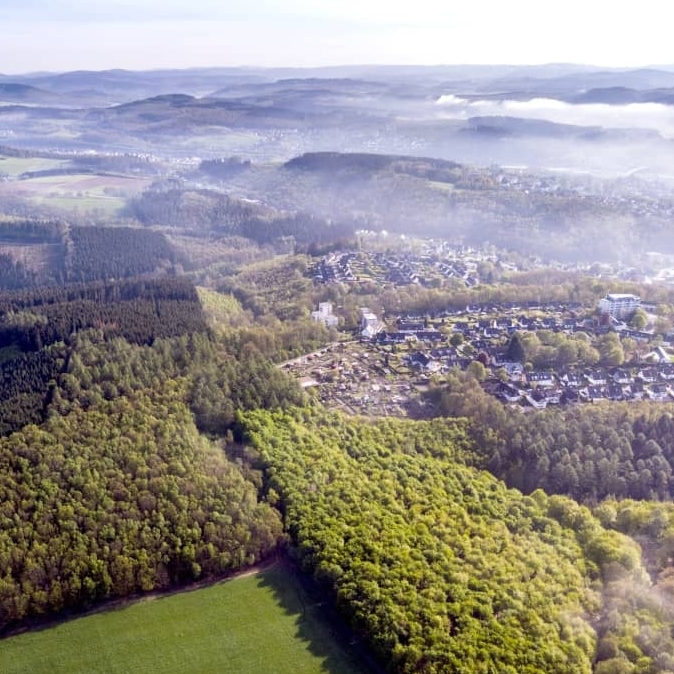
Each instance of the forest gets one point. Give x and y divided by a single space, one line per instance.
115 252
619 450
209 211
139 309
443 568
149 441
115 490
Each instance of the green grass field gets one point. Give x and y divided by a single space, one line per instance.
268 622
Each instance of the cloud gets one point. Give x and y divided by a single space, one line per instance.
654 116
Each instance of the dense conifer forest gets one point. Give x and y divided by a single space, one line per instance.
34 253
116 253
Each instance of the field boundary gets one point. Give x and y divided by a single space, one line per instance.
117 603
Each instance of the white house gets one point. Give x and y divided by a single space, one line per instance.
369 324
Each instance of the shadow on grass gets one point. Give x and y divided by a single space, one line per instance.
318 624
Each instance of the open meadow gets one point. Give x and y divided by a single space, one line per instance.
266 622
84 193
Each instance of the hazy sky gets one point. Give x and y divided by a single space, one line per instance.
59 35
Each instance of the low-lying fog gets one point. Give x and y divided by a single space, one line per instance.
656 117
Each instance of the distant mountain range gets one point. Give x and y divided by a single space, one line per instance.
274 114
563 80
16 92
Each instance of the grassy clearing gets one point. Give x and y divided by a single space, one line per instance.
108 206
221 309
263 623
15 166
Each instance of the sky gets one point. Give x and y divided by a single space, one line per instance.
61 35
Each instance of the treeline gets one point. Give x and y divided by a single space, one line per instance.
140 320
220 375
31 252
340 161
362 162
170 204
222 169
439 566
56 171
85 253
118 163
116 252
14 274
141 310
210 211
24 231
9 151
37 333
166 288
304 227
589 452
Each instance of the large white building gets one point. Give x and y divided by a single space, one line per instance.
325 315
619 305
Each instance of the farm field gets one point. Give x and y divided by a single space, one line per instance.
79 192
267 622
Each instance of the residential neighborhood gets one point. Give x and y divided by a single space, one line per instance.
428 267
387 365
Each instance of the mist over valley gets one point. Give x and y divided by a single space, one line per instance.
573 149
